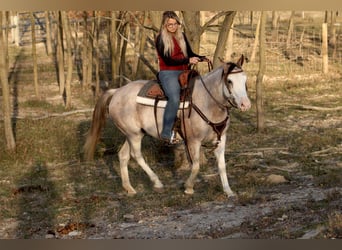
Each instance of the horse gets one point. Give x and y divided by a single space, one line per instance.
206 120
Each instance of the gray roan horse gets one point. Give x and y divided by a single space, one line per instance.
213 94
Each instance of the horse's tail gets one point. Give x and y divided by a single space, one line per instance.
98 122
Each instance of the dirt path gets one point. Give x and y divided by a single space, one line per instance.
227 219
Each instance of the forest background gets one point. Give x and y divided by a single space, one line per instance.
55 64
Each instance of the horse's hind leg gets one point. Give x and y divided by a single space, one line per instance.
124 156
135 144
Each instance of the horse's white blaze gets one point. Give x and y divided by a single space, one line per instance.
239 91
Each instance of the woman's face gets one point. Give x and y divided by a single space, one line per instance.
171 25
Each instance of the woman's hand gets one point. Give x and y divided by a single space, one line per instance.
194 60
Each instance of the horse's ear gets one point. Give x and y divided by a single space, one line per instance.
227 68
240 61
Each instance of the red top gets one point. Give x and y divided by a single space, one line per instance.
177 54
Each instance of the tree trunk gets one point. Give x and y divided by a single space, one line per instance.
67 30
193 29
113 48
275 20
156 19
34 55
290 30
85 59
6 102
97 53
325 48
48 33
122 68
6 31
230 42
256 40
136 43
332 34
12 13
90 57
261 73
60 54
223 36
16 29
142 42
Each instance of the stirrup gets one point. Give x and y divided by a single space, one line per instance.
175 139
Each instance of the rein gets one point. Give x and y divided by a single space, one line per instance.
219 126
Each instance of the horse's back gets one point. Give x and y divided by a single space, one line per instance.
123 106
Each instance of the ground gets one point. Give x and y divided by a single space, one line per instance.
287 180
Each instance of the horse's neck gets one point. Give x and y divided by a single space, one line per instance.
209 88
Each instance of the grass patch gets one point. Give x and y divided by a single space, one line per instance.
42 104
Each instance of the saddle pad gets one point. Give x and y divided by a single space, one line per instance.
150 91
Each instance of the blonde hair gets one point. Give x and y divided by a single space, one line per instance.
166 36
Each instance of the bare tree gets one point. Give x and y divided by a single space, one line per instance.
223 36
193 29
275 22
48 33
67 30
261 73
290 30
325 48
256 40
86 52
156 19
229 47
6 103
60 53
113 46
141 40
332 33
96 36
124 32
16 28
34 55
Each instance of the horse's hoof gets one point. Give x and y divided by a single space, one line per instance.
232 197
131 193
189 191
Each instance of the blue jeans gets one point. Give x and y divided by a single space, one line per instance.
169 82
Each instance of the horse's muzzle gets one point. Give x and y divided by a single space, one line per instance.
245 104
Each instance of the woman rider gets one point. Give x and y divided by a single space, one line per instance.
175 55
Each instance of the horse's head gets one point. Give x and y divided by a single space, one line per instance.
235 85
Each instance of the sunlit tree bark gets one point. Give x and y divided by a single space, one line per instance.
261 73
6 103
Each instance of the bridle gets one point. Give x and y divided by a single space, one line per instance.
232 69
218 127
229 68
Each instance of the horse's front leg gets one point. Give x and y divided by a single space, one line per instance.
219 153
195 156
